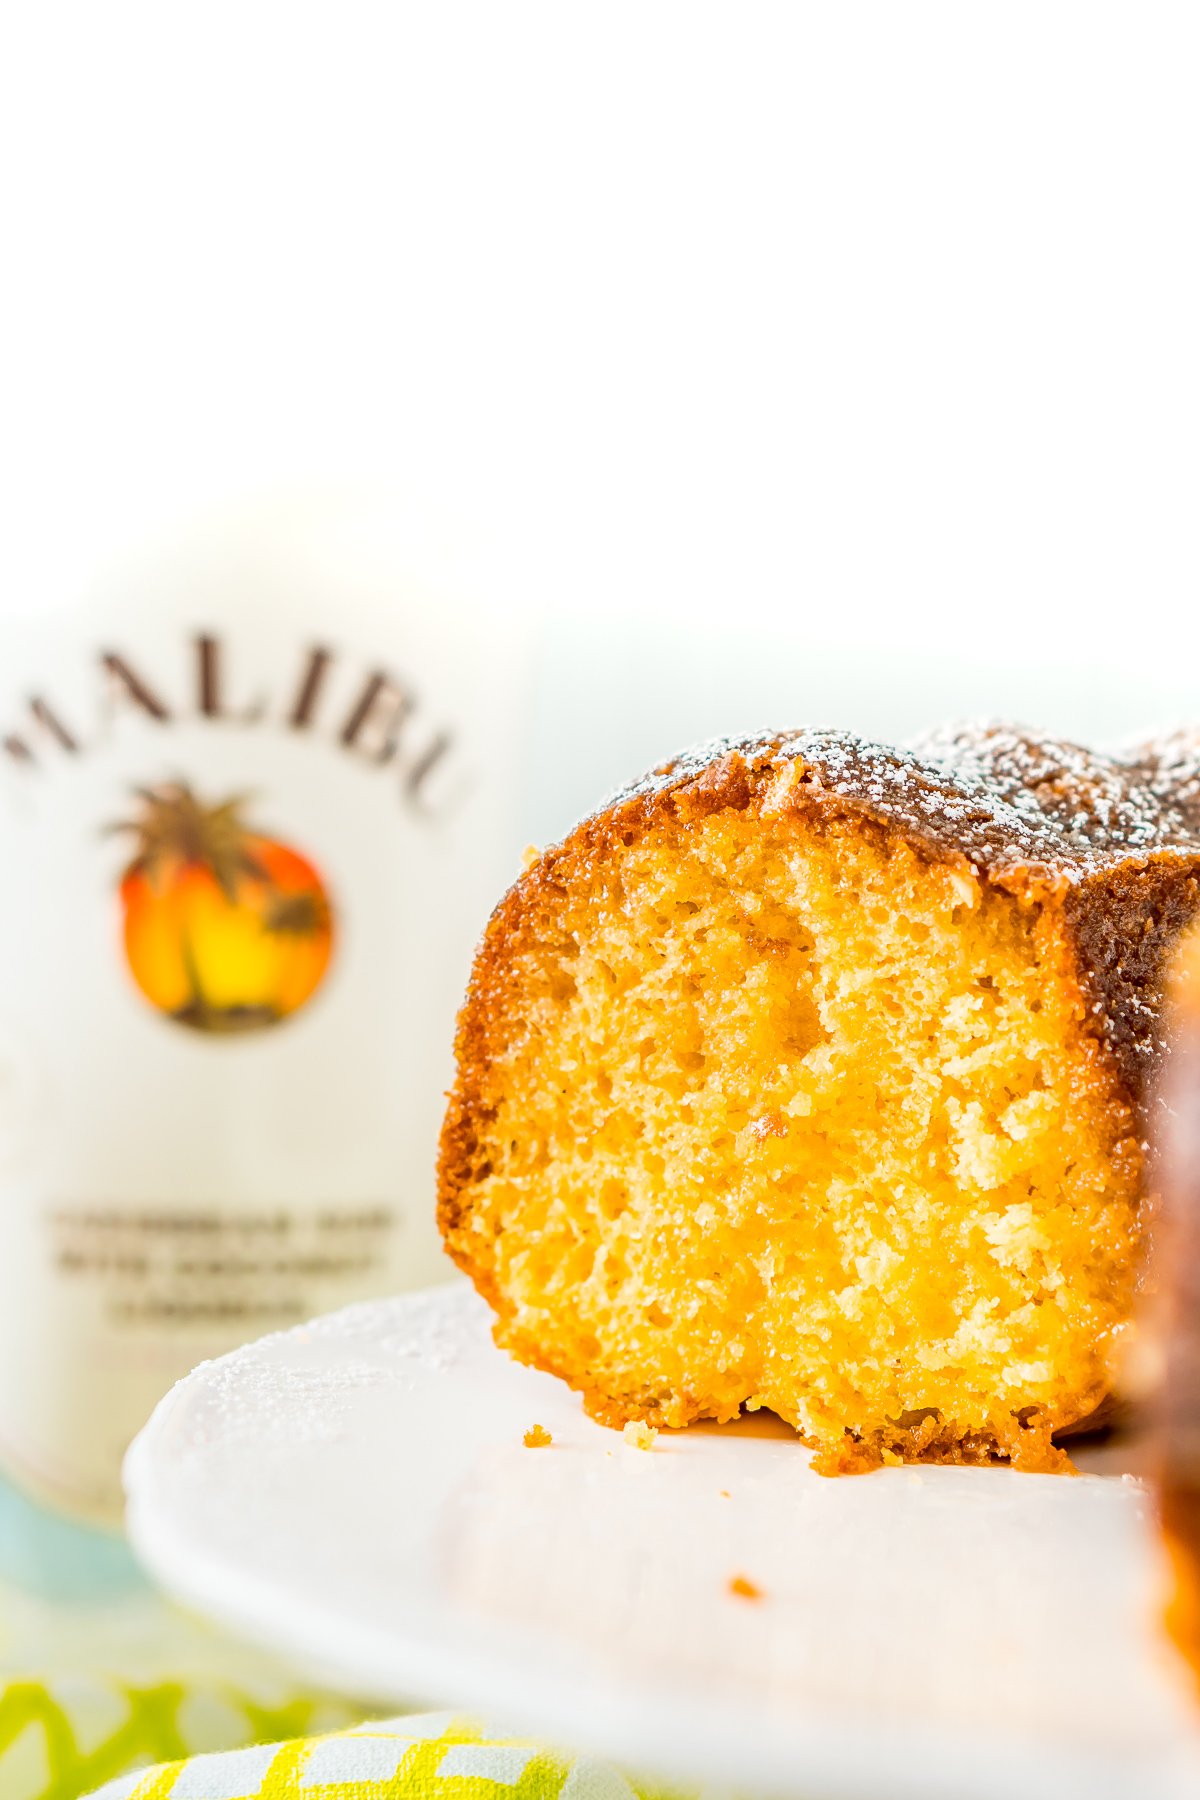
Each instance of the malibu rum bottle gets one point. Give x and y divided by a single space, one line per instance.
256 797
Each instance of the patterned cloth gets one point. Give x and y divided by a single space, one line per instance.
424 1756
61 1738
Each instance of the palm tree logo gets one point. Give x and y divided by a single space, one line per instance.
226 928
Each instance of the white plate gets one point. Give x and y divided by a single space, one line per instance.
357 1492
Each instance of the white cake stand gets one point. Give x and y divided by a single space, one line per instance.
357 1493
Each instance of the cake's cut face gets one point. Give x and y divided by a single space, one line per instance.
766 1102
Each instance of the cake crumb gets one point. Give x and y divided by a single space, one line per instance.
639 1434
724 1493
744 1588
656 983
536 1437
529 855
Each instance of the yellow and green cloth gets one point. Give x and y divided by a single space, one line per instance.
114 1741
422 1756
65 1737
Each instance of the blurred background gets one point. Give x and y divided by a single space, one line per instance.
604 377
806 365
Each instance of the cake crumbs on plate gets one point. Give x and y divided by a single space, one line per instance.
744 1588
639 1434
536 1437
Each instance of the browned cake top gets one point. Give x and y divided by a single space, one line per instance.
1003 797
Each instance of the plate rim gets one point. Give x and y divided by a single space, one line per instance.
918 1762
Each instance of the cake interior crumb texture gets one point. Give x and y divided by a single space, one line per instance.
800 1118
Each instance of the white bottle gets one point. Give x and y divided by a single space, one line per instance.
257 795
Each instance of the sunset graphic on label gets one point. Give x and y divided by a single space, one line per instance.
226 929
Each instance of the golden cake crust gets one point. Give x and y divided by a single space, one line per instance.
1107 848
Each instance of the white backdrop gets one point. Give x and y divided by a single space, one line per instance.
817 361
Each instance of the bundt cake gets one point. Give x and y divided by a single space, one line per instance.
808 1074
1174 1306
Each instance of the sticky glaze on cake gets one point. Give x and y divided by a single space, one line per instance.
808 1073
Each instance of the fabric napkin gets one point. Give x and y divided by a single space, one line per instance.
422 1756
62 1736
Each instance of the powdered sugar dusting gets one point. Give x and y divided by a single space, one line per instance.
428 1331
307 1393
253 1400
1002 796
